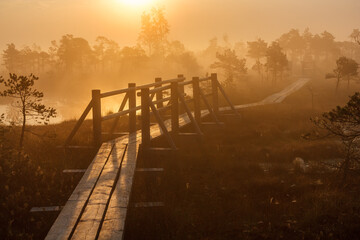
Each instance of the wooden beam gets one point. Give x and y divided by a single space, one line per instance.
116 120
145 118
149 169
149 204
174 108
226 98
159 95
74 170
132 105
96 100
191 117
162 125
212 112
78 124
196 96
46 209
215 94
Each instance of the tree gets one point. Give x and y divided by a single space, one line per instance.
345 68
355 35
231 65
293 43
11 57
74 52
28 100
106 52
154 31
257 50
276 61
344 123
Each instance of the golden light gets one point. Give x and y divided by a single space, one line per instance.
135 2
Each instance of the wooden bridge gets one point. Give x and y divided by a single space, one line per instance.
98 206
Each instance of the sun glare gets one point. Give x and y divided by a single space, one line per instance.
135 2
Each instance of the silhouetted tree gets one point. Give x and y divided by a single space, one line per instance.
106 52
344 123
74 52
28 100
293 44
154 31
132 58
11 57
276 61
345 68
232 66
257 50
355 35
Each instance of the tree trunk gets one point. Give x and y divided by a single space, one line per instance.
22 130
337 84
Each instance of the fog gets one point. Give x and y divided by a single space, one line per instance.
193 22
75 46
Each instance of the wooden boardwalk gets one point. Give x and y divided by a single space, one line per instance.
97 207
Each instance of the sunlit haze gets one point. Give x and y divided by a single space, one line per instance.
192 22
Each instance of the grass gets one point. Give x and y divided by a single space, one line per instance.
221 191
218 191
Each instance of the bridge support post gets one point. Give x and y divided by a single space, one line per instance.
196 96
132 104
174 108
159 94
145 118
215 93
182 92
96 110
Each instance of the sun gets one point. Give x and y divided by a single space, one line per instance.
135 2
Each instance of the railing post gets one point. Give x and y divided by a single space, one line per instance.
196 96
159 94
96 110
215 94
182 92
174 108
132 104
145 118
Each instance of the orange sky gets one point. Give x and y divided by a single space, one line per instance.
193 22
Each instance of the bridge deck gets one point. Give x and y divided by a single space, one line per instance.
97 207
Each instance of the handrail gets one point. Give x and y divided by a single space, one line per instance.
186 83
161 100
125 90
204 79
118 114
177 96
158 89
162 82
116 92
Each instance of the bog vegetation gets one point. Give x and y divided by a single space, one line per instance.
31 165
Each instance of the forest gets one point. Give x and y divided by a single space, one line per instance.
72 60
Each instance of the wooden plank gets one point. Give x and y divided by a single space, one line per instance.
149 204
114 220
78 123
149 169
74 170
69 216
91 218
46 209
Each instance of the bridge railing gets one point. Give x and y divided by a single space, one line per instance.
149 106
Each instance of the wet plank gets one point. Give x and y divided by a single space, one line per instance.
90 220
68 217
114 220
